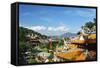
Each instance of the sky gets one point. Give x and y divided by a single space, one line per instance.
54 20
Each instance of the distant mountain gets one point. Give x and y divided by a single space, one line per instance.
68 34
65 35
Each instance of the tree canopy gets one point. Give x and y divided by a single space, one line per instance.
90 26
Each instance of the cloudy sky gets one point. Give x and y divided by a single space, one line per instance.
50 20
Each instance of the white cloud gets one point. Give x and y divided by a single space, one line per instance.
58 29
20 25
51 29
38 28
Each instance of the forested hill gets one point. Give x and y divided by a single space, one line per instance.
23 32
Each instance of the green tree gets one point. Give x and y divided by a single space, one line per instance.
90 26
78 33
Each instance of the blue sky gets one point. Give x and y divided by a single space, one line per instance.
50 20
